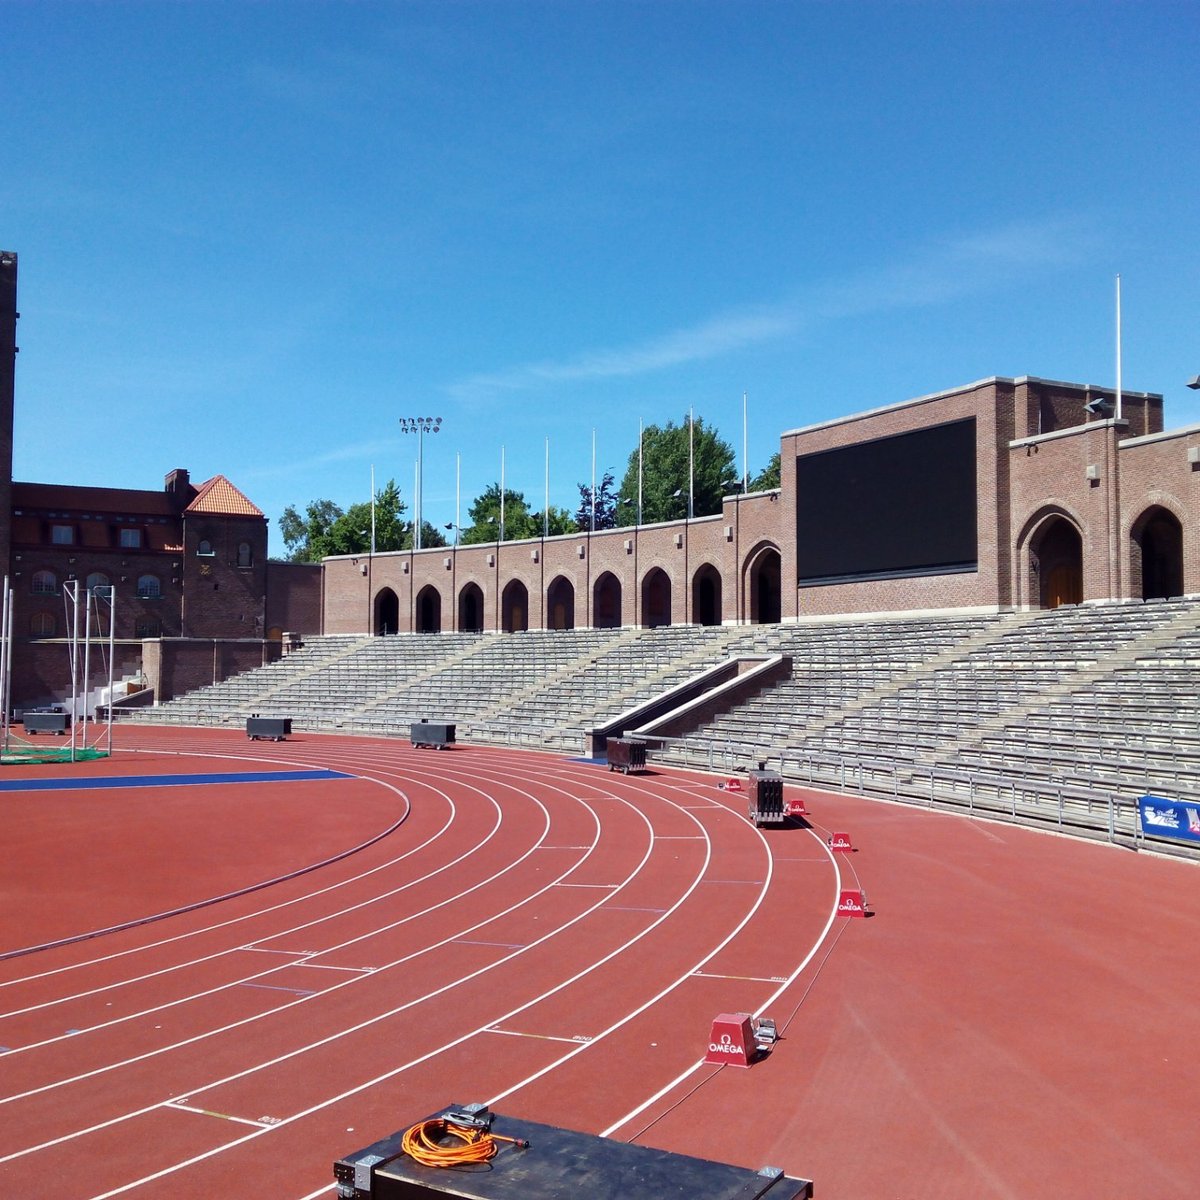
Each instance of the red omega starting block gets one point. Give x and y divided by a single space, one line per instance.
852 903
732 785
731 1042
841 842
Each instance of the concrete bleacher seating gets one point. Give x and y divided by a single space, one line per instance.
1062 716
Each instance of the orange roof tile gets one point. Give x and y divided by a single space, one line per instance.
218 495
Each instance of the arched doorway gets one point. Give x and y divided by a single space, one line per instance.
656 599
706 596
764 575
387 611
429 610
606 602
1057 557
1158 554
560 604
470 608
514 607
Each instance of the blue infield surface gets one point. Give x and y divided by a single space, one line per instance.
128 781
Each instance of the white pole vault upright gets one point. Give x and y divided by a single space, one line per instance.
79 656
6 660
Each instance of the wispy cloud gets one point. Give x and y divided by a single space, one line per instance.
946 270
378 449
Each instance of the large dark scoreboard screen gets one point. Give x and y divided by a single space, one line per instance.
891 507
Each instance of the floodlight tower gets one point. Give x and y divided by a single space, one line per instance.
420 426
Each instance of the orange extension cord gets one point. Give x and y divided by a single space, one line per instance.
475 1145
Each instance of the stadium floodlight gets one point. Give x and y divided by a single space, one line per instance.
420 426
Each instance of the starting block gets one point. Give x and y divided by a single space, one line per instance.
841 842
796 808
731 1042
852 903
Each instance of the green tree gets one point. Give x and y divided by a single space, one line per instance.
665 473
606 505
484 512
768 477
326 529
305 536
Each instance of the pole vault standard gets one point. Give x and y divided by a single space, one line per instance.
80 663
6 661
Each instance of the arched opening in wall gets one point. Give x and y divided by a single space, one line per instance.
1157 554
606 602
656 599
387 611
706 596
429 610
470 608
560 604
1057 551
514 607
764 575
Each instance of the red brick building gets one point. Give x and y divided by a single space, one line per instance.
182 571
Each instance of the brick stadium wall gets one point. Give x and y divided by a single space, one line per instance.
293 598
174 666
1035 443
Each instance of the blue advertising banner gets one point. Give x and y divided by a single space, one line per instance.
1170 818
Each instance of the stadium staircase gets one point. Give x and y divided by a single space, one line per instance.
1058 718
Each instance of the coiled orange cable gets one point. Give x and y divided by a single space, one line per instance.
423 1143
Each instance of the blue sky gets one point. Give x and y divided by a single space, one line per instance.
252 236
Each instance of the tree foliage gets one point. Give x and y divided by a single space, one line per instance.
665 453
768 477
326 529
607 501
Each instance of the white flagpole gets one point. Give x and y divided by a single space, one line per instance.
641 432
691 461
372 508
546 506
500 531
592 526
457 493
745 455
1118 405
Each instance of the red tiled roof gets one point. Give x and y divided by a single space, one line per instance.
218 495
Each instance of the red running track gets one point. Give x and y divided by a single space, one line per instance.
555 939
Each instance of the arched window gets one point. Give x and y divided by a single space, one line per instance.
245 556
148 587
45 583
204 548
99 584
43 624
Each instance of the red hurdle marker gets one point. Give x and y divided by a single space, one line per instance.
852 903
733 785
795 808
731 1041
841 841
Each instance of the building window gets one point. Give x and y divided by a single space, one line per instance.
149 587
204 548
62 535
245 557
45 583
99 584
148 627
43 624
130 539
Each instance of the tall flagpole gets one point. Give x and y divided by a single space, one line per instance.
546 506
592 526
691 461
1118 407
372 508
641 433
500 531
745 455
457 493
